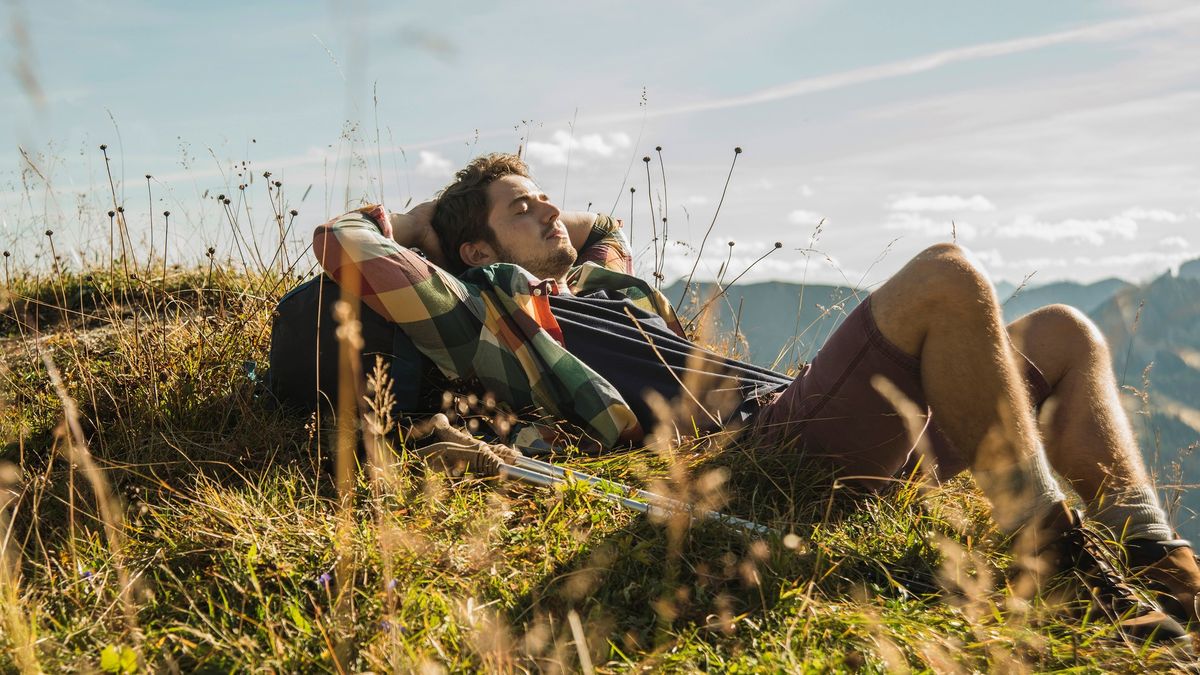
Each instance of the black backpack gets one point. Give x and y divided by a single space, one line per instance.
303 375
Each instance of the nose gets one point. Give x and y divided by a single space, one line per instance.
550 211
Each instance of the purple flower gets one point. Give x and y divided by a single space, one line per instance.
387 626
391 585
86 574
324 579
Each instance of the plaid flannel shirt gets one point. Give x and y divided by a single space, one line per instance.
494 324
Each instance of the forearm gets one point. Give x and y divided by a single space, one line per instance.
353 250
604 245
413 230
579 227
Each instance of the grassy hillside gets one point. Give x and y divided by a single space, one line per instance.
158 516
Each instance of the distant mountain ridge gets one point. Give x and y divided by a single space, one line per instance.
1084 297
787 321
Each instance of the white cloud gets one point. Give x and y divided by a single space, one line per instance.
942 203
433 165
805 217
1133 265
1142 261
695 200
806 191
1094 232
1153 215
990 257
1173 242
564 147
919 224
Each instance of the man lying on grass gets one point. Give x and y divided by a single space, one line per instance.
545 314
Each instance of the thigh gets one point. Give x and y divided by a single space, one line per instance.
834 410
948 459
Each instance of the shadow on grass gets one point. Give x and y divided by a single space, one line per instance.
649 587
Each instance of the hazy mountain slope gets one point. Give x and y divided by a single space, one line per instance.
782 323
1154 333
1085 297
771 313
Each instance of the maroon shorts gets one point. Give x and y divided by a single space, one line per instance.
835 414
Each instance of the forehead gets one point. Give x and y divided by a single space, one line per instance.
503 190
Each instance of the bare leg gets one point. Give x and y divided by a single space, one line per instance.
1090 443
941 308
1089 440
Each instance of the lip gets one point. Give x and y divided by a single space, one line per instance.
557 232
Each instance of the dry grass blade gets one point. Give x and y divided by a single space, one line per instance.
19 629
111 511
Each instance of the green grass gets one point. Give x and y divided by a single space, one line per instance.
240 555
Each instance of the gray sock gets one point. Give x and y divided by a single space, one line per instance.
1020 493
1132 513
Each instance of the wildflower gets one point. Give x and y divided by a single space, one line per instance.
324 580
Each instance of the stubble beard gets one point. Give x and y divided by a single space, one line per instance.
553 264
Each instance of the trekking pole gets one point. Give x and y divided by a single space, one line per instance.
629 497
534 477
459 448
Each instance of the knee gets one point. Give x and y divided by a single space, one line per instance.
950 278
1069 328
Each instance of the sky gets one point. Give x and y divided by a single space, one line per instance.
1058 140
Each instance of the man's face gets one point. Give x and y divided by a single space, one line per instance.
527 228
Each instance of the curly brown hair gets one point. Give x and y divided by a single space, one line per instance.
462 207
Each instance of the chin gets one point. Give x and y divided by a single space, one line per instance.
555 264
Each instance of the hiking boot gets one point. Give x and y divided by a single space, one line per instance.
1073 570
1168 569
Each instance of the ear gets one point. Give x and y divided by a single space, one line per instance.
477 253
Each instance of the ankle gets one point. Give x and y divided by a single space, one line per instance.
1131 513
